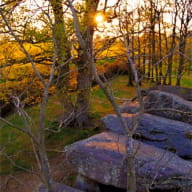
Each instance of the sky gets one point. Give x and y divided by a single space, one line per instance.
106 27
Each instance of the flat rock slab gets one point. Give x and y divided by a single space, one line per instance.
102 159
168 105
185 93
157 131
59 187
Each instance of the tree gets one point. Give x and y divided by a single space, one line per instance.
185 16
59 66
84 79
74 112
62 49
131 178
38 136
39 141
173 44
127 24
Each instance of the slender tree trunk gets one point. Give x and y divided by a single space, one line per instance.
173 43
139 58
130 75
144 56
167 50
129 70
181 60
160 74
153 53
144 62
149 62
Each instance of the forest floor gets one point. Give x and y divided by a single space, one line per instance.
19 181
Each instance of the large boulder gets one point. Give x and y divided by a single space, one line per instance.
101 158
185 93
158 131
168 105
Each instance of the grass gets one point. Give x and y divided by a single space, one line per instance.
99 103
186 81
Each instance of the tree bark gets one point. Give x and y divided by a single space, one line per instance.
181 60
84 71
185 8
63 71
83 87
173 44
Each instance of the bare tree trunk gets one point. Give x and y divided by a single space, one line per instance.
42 148
153 52
149 72
139 52
160 72
131 175
167 50
130 75
181 60
144 57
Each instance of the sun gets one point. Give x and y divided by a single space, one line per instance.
99 18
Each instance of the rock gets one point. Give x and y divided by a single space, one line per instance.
157 131
128 107
185 93
168 105
59 187
101 158
86 184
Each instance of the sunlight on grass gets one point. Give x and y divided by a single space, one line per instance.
100 105
187 81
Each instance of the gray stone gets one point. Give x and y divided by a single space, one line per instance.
168 105
102 159
157 131
128 107
85 184
185 93
59 187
